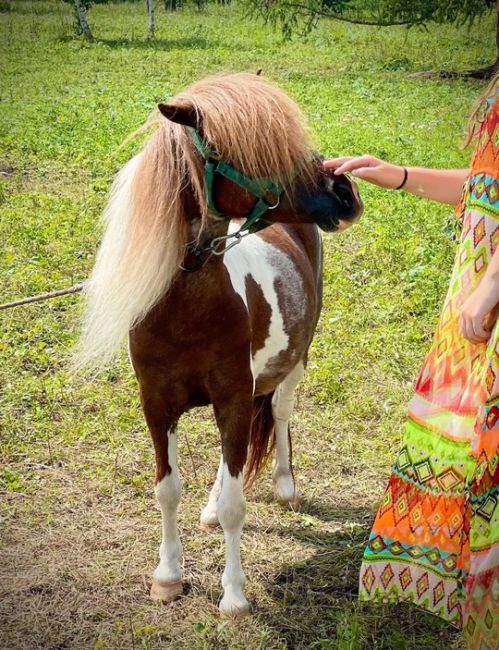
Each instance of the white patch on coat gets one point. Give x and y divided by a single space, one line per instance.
266 263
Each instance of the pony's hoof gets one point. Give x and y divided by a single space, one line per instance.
285 491
234 610
209 528
209 519
293 501
166 591
294 504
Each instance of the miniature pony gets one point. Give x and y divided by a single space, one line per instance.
218 310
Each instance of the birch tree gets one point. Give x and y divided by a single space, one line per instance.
150 12
81 17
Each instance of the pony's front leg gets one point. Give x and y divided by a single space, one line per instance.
167 577
234 421
231 508
282 407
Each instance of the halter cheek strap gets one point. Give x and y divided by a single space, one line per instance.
258 187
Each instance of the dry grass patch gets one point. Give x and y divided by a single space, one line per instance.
81 534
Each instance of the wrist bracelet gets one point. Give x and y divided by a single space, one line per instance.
406 173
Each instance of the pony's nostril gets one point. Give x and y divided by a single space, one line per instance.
343 193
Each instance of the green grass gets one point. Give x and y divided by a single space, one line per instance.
79 528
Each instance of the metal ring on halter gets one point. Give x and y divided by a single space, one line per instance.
193 248
273 207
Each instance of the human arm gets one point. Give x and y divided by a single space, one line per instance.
478 313
442 185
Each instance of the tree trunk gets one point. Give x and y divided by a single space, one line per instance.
81 15
171 5
475 73
150 12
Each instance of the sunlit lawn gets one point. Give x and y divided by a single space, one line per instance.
79 529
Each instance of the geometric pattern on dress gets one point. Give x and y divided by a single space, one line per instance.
429 472
481 619
486 449
445 562
494 240
394 581
484 194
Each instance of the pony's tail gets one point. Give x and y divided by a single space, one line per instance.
262 438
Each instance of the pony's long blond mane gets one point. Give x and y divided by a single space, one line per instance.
251 124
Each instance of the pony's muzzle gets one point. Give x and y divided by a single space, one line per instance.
334 205
357 205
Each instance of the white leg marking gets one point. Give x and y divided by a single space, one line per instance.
231 509
209 516
170 552
282 407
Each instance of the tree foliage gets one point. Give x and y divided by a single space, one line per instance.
302 15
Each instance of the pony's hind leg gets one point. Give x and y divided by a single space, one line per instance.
282 407
167 577
209 516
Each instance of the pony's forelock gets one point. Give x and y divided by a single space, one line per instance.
253 125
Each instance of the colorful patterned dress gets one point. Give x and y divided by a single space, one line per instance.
435 540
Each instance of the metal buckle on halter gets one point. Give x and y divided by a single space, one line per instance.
217 245
192 248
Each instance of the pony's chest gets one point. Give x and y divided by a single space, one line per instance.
272 290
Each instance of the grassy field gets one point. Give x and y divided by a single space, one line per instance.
79 528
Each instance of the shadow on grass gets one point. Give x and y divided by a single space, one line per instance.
188 43
316 600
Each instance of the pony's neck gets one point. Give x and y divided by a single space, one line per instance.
201 236
205 233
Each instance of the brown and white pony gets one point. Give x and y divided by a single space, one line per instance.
234 331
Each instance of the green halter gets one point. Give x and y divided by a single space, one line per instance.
259 187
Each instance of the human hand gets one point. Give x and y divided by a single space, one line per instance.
368 168
478 313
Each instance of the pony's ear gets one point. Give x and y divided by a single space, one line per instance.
181 114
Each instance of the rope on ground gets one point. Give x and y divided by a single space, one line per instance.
43 296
